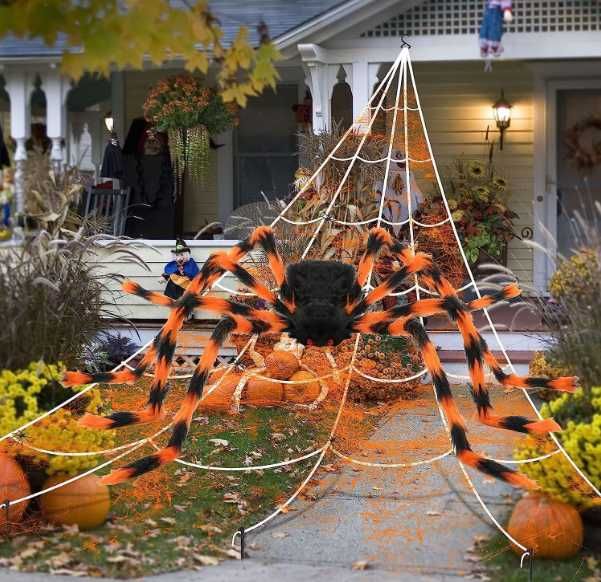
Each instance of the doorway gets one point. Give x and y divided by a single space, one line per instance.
578 161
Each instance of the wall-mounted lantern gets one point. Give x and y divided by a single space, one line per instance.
502 113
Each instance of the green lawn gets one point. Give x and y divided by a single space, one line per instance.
178 517
502 565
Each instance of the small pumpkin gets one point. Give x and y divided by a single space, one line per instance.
303 392
550 528
221 397
13 485
85 502
281 365
260 392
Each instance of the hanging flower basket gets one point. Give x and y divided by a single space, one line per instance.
190 114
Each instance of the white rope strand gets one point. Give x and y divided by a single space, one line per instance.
391 465
477 290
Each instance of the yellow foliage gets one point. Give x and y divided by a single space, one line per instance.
576 278
581 439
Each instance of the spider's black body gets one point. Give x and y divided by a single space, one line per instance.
320 291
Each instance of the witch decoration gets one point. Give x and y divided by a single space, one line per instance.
179 272
496 13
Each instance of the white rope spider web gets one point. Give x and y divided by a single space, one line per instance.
403 71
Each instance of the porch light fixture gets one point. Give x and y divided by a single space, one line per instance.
502 112
109 122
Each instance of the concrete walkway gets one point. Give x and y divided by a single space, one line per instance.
408 522
409 525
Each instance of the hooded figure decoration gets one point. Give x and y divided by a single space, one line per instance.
491 31
179 272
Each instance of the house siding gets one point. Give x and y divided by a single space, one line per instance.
456 99
155 254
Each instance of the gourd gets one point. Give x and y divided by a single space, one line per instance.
260 392
550 528
13 485
281 365
85 502
221 397
303 392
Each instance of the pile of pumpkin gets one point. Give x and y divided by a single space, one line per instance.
84 502
269 374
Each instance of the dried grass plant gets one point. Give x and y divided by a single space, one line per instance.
53 298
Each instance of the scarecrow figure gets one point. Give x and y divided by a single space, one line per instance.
491 30
179 272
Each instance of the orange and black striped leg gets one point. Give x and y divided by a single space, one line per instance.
413 328
124 376
473 345
230 324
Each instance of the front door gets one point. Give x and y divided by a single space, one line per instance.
578 162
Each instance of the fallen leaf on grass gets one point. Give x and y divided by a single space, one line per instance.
360 565
206 560
219 442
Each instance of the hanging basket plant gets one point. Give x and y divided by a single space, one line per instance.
190 114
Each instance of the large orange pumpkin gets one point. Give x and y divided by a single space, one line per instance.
221 397
550 528
85 502
304 392
281 365
13 485
260 392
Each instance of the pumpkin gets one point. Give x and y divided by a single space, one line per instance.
303 392
281 365
13 485
221 397
550 528
85 502
262 392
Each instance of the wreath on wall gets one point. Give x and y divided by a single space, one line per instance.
585 157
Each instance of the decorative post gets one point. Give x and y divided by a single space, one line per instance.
19 88
316 69
360 87
56 88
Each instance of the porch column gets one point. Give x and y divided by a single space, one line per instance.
19 87
316 71
360 87
55 87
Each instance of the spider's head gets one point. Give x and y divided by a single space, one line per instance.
320 323
320 290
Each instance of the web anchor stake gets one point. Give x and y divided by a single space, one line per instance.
242 533
6 505
531 566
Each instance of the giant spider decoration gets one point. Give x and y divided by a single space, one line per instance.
322 303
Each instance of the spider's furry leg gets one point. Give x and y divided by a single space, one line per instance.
164 346
456 422
183 418
475 350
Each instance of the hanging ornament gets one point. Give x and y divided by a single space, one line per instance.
496 13
190 113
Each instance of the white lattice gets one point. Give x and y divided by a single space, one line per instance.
442 17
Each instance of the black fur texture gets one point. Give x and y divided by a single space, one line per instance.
321 291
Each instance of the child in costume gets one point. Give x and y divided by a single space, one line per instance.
491 31
179 272
6 197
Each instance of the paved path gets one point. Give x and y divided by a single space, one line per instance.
405 521
408 524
